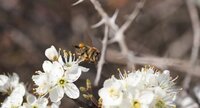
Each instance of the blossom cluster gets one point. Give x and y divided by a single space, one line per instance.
9 85
144 88
16 92
58 75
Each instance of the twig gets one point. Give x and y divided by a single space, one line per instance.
119 32
196 38
160 62
132 16
102 58
105 18
119 36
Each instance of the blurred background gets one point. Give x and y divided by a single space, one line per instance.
162 29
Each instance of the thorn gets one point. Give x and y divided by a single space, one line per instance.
114 17
98 24
78 2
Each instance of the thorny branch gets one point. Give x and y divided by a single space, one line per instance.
196 38
160 62
102 58
118 33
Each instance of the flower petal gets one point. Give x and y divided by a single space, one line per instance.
3 79
56 73
39 79
84 69
144 98
71 90
19 89
56 94
73 77
51 53
42 102
47 66
14 80
55 105
30 98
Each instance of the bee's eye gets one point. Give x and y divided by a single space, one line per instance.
76 46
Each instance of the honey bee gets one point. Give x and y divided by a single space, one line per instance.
87 53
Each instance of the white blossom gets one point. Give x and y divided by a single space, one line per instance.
62 83
141 99
111 93
33 102
144 88
15 99
8 83
42 79
58 76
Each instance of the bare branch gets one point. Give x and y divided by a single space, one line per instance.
118 33
119 36
104 15
132 16
78 2
160 62
102 58
196 38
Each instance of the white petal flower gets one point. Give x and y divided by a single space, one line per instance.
12 101
63 84
56 82
111 93
33 102
47 79
42 81
15 99
134 80
52 54
8 83
142 99
165 90
59 75
144 88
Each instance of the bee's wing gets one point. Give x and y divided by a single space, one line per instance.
92 40
87 38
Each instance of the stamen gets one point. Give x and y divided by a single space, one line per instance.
74 57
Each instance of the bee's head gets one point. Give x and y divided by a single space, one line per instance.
81 45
